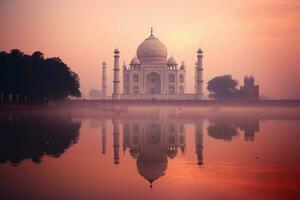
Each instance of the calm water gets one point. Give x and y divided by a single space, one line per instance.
154 153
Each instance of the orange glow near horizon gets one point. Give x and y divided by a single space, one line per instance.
259 37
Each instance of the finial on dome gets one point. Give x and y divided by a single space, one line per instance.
151 183
151 31
199 51
116 50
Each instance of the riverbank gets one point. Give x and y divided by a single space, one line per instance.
192 102
110 104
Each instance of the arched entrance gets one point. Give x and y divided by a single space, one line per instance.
153 84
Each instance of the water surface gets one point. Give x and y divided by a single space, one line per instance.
150 153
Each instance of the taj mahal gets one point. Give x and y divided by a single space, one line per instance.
152 75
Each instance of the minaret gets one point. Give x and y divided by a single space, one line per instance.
199 142
103 131
195 87
198 74
116 144
104 86
116 82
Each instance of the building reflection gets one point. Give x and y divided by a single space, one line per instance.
151 143
249 127
153 140
154 137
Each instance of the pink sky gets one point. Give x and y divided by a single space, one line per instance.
259 37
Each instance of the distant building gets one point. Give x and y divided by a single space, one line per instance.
249 90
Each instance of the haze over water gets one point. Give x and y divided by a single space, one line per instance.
151 153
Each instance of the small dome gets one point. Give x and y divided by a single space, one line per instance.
151 50
134 153
172 152
199 51
172 61
135 61
103 63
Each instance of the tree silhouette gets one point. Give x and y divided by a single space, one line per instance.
32 79
222 87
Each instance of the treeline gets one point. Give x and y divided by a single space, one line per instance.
225 87
32 79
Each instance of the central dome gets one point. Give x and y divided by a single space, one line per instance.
152 51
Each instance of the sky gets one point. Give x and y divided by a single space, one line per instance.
238 37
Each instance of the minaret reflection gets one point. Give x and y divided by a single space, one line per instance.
116 144
103 131
199 141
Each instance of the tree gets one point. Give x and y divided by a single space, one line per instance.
222 87
34 79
